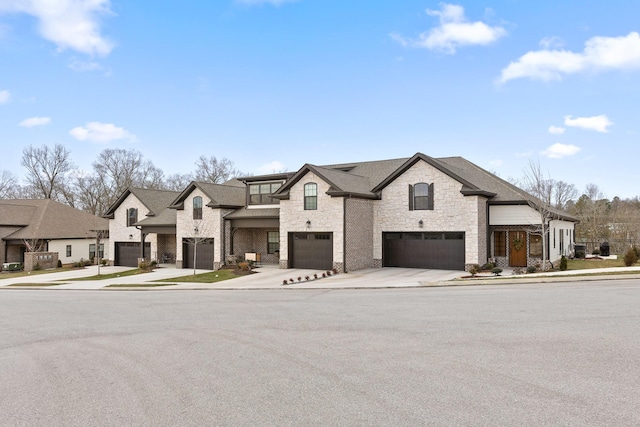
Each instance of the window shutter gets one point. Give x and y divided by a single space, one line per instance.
410 197
430 205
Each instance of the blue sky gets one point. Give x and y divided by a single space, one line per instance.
275 84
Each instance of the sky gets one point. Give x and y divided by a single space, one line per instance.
275 84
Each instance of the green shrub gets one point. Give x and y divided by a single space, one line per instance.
37 267
59 265
531 269
103 262
596 251
496 271
630 257
580 254
244 266
636 249
563 263
488 266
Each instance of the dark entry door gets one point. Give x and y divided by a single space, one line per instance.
204 254
311 250
127 253
433 250
517 249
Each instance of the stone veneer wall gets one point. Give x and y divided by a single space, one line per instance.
166 248
43 259
359 234
327 218
452 211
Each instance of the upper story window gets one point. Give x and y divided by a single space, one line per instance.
421 197
310 196
132 216
197 207
260 194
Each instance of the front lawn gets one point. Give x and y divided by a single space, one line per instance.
138 285
584 264
210 277
14 274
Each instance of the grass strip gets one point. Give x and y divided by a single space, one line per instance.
138 285
27 285
210 277
125 273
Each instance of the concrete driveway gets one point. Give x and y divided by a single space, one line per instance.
265 277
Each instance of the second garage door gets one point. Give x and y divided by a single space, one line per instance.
203 252
441 251
127 253
311 250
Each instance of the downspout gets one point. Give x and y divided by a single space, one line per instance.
488 231
344 234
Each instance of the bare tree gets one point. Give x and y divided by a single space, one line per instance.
550 196
117 169
200 235
592 211
8 185
210 169
89 192
178 181
46 169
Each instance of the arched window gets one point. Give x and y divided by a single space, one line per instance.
197 207
421 197
310 196
132 216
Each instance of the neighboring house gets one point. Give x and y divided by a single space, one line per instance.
417 212
43 225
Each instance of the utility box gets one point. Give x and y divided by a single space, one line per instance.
604 249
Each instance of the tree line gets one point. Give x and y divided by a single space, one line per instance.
51 174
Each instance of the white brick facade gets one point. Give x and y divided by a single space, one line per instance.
329 217
119 232
452 210
210 226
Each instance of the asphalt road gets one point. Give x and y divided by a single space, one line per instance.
563 354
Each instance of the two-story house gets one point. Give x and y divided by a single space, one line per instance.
418 212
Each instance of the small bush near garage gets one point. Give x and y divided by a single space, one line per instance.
630 257
563 263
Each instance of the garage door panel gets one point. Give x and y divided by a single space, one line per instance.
443 251
127 253
204 254
311 250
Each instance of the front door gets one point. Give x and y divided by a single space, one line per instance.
517 249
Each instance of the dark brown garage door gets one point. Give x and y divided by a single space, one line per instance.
311 250
127 253
441 251
203 251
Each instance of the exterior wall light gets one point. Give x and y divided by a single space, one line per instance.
130 236
308 224
420 223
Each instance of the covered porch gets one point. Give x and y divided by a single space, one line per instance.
253 235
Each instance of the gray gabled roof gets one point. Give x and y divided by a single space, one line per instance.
259 213
154 200
219 195
47 219
367 179
166 217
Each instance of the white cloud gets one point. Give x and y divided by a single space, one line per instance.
455 31
599 54
598 123
557 151
101 132
35 121
553 41
261 2
272 167
556 130
5 96
70 24
81 66
403 41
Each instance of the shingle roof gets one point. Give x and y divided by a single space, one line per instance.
166 217
47 219
220 195
154 200
261 213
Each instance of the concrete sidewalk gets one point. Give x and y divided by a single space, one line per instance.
272 277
